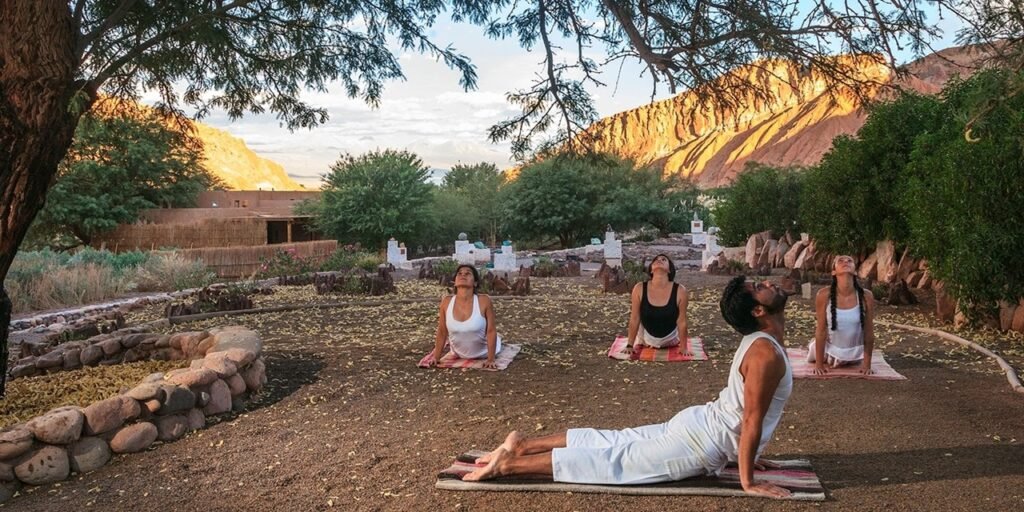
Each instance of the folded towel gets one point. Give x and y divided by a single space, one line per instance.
647 353
450 360
804 370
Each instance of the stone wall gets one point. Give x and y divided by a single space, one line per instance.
228 367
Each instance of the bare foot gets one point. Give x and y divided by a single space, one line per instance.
512 442
497 458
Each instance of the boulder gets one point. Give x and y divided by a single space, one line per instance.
51 359
195 419
44 465
240 357
170 428
780 254
9 489
1017 323
869 267
107 415
255 375
88 454
236 336
58 427
72 358
15 442
886 251
945 306
134 438
91 355
220 364
220 399
147 391
789 259
111 347
751 251
179 399
1006 313
194 378
236 384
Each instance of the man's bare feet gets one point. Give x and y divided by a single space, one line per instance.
512 442
497 458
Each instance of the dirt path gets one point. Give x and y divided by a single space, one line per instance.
350 423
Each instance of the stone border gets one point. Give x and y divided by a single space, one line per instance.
228 367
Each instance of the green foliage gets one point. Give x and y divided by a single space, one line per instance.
963 202
545 266
445 267
469 200
763 198
118 165
635 272
372 197
851 199
349 257
286 263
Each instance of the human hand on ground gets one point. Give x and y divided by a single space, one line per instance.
865 368
819 369
767 490
432 360
765 465
490 364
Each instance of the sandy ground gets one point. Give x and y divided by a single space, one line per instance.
348 422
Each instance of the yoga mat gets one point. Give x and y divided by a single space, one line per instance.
665 355
796 475
804 370
450 360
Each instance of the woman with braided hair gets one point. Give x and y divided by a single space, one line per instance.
845 312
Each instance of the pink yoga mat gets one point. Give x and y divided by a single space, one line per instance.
667 355
804 370
450 360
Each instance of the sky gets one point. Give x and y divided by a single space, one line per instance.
428 113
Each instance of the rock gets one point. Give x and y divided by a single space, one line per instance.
196 364
6 472
58 427
72 358
132 355
179 399
913 278
767 253
945 306
220 399
134 340
175 372
235 337
111 347
9 489
240 357
134 438
152 405
751 251
886 252
50 359
147 391
789 259
170 428
237 404
1017 323
89 454
25 370
195 419
15 442
154 377
236 384
162 342
925 282
800 262
780 254
220 364
900 295
205 345
44 465
107 415
255 375
869 267
194 378
906 265
1006 313
91 355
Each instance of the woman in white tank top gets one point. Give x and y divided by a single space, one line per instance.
845 314
466 321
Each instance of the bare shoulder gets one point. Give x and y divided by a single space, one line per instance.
821 298
445 300
869 298
485 300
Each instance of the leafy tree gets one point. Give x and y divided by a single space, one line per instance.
763 198
374 196
475 188
255 55
645 196
963 201
120 163
851 199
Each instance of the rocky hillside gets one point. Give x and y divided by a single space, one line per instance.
796 128
228 158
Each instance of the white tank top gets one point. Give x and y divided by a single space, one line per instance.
846 343
725 415
468 339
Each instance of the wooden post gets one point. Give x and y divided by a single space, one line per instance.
289 231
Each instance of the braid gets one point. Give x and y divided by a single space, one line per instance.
860 299
832 300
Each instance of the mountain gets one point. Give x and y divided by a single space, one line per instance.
795 127
228 158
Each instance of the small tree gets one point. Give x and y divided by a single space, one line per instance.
851 199
120 163
477 187
374 196
763 198
963 202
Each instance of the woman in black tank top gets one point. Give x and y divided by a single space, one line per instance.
658 309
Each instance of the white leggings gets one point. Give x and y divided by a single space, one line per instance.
650 454
668 341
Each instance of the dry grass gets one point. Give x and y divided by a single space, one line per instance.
171 271
68 286
32 396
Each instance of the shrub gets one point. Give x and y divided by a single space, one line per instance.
445 267
763 198
171 272
286 263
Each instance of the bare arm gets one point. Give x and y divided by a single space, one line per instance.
683 301
492 330
869 332
762 369
820 331
442 329
634 314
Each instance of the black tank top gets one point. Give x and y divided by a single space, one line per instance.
659 321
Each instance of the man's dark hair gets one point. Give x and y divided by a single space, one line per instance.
671 267
738 305
476 275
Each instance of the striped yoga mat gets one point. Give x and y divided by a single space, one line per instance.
450 360
665 355
804 370
796 475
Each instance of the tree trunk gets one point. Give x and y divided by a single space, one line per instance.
37 81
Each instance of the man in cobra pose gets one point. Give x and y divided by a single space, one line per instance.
698 440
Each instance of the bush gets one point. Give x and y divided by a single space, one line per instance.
763 198
171 272
119 262
286 263
63 286
445 267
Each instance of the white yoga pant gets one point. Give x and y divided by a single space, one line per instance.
644 455
830 360
668 341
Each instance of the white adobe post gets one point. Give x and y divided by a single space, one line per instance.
397 255
463 251
612 249
505 258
